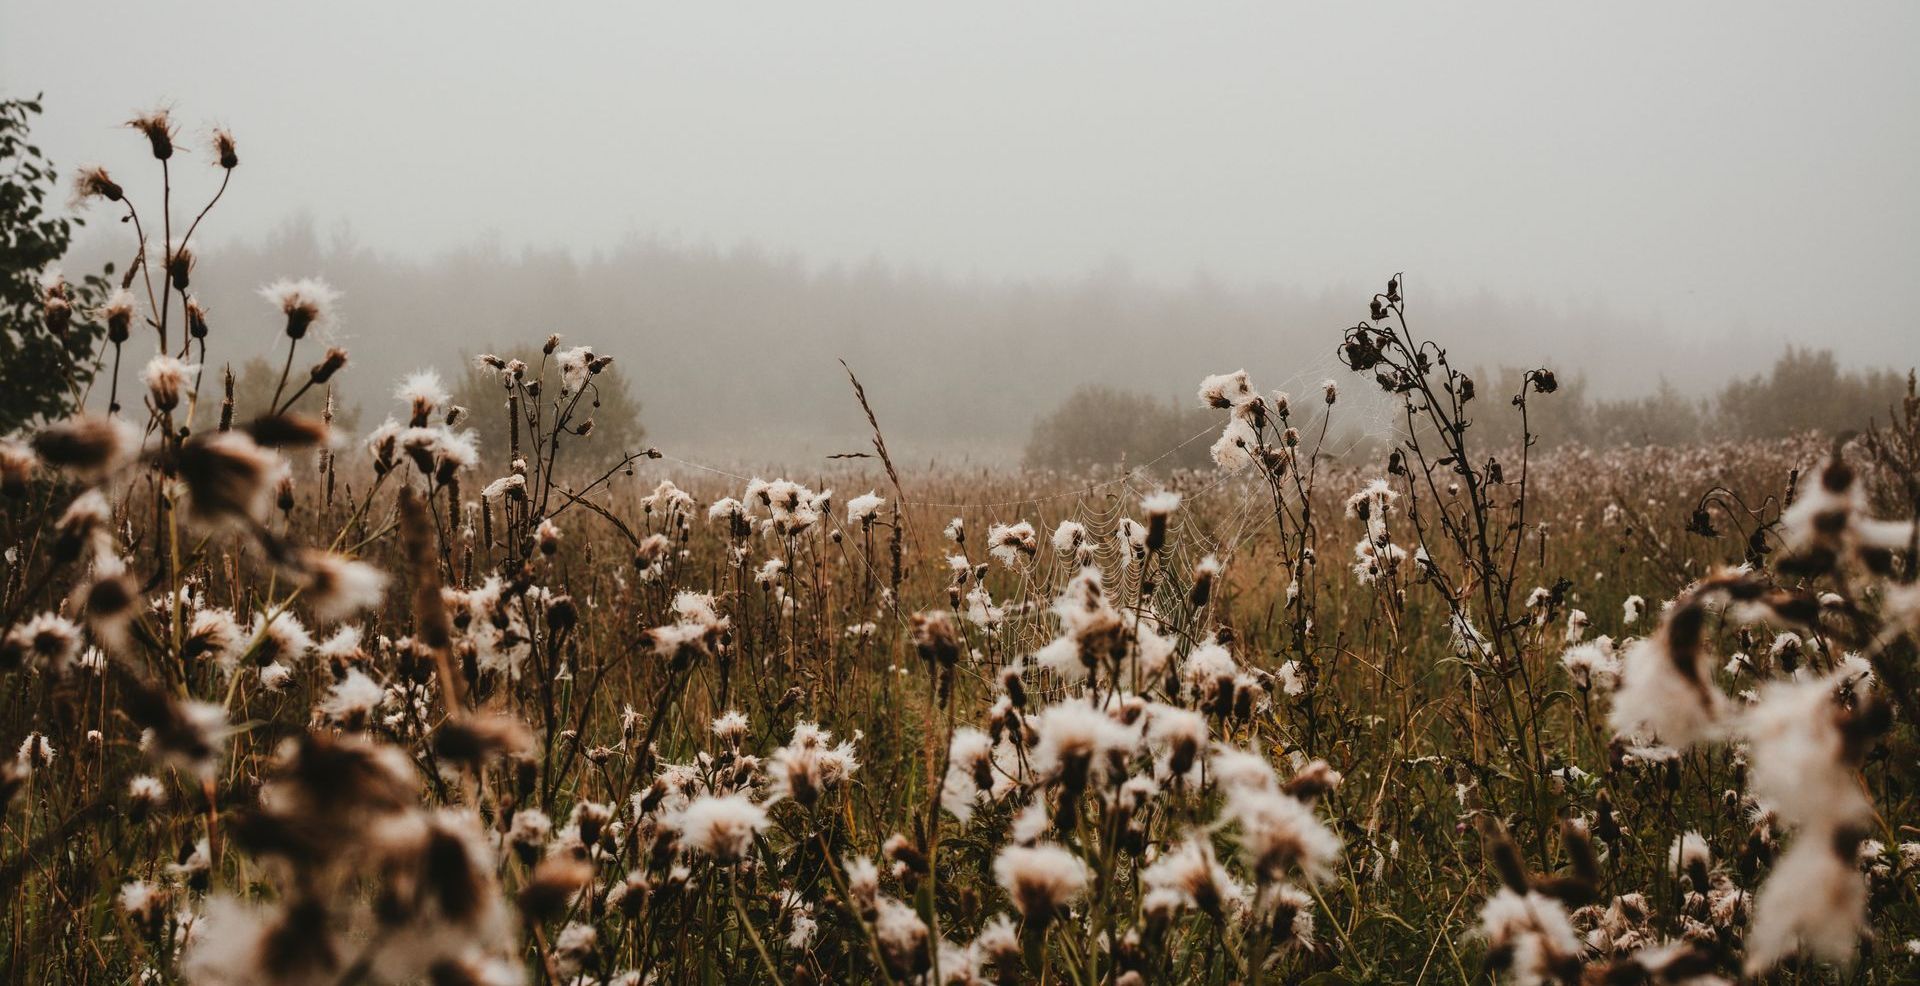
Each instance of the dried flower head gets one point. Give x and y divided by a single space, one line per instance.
721 827
157 126
166 376
94 183
307 304
229 478
1041 880
225 152
87 446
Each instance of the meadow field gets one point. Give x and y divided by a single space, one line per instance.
293 704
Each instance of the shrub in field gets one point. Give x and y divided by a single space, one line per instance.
607 402
295 706
1806 388
1100 426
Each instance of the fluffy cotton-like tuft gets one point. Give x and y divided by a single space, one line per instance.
166 377
1041 880
1160 503
1593 665
969 772
1534 935
864 508
1225 390
1194 877
307 302
1012 543
353 698
1814 901
1077 742
722 827
1280 835
730 727
1659 702
1798 754
338 587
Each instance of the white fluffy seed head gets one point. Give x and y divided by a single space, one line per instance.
722 827
1041 880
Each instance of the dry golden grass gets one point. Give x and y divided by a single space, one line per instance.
295 706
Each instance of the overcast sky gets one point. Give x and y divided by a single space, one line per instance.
1716 166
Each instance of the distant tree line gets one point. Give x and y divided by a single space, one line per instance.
1806 390
736 351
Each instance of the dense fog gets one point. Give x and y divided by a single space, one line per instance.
738 351
984 209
